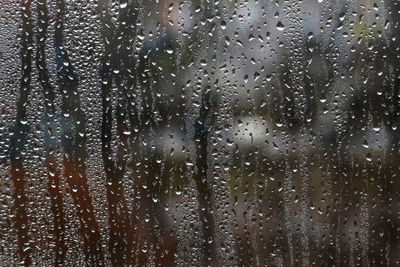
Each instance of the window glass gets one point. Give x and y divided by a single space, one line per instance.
199 133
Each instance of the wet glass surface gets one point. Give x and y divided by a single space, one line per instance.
199 133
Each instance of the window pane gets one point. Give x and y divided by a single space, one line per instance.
199 133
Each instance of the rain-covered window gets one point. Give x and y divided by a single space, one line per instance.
200 133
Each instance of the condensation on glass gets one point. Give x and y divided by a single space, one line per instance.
199 133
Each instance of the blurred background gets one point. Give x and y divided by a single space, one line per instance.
199 133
